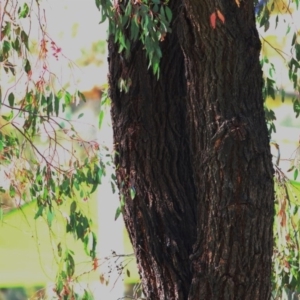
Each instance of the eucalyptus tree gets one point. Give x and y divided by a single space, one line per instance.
193 159
191 135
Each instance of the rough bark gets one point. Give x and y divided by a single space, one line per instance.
194 146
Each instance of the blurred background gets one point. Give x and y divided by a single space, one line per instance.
27 264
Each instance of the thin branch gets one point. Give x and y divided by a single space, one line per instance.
36 149
276 49
2 17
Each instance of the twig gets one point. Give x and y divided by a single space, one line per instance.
276 49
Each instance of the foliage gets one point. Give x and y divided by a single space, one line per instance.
286 257
271 16
42 156
147 21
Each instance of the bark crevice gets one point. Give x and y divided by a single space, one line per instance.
194 146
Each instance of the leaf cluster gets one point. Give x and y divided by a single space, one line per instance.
130 21
42 156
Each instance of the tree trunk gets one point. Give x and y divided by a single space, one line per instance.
194 146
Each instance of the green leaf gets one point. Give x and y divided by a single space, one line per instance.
73 207
50 217
50 104
128 273
24 39
162 13
8 117
113 188
86 244
100 121
134 30
12 69
56 105
270 88
60 94
87 296
295 80
6 29
128 9
118 212
295 63
59 249
27 66
94 245
68 98
294 38
145 22
297 48
132 193
168 13
282 95
94 187
59 285
122 201
12 191
70 264
100 171
295 174
6 47
11 99
80 115
276 21
81 96
265 18
39 213
98 4
296 107
155 7
267 25
24 11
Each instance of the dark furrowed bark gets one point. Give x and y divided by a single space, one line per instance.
194 146
231 156
153 157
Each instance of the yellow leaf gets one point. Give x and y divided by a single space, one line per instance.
221 16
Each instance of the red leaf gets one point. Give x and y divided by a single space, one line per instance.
213 18
95 265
